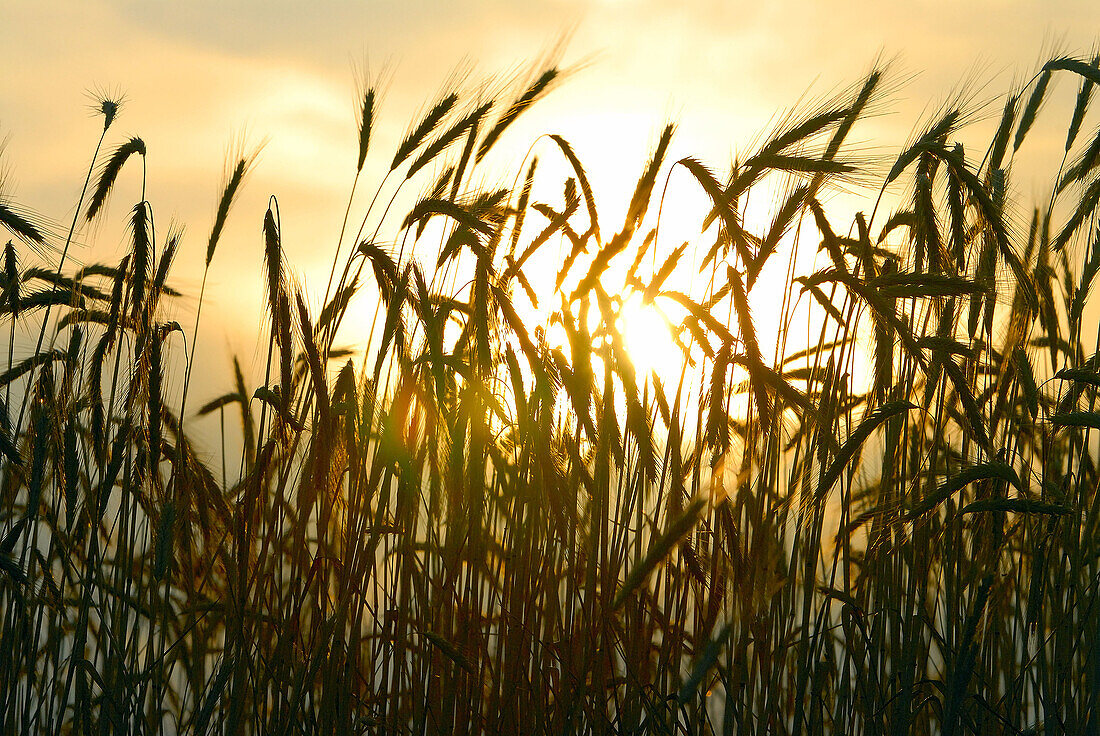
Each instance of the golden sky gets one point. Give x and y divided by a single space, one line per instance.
198 74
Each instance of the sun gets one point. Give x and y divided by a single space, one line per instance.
648 337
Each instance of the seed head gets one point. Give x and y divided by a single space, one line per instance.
106 103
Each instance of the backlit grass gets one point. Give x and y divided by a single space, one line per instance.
567 485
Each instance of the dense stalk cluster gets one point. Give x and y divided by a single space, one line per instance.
488 518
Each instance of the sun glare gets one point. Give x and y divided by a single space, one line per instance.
648 337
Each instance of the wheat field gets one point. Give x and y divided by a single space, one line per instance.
477 511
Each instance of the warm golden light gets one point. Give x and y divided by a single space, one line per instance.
647 334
